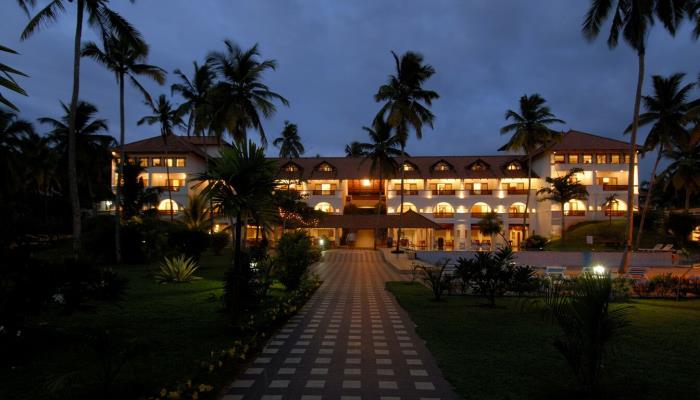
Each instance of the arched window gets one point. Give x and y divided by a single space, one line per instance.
478 210
516 210
442 166
325 167
514 166
408 206
168 206
324 207
443 210
407 166
291 167
575 208
478 166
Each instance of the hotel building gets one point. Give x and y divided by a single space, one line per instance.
444 196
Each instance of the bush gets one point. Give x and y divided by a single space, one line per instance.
295 254
177 269
219 240
191 243
680 225
489 274
436 279
535 242
523 280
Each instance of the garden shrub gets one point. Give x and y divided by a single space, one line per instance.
189 242
523 280
177 269
535 242
219 241
295 254
489 274
436 278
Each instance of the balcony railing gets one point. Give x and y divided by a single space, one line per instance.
172 188
517 191
443 192
443 214
477 192
615 213
575 213
323 192
479 214
406 192
608 187
516 215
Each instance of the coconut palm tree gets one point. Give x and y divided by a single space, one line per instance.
243 181
13 130
530 131
195 214
406 105
633 19
8 82
683 173
382 152
168 116
491 224
195 91
610 202
240 97
666 110
92 144
353 150
125 58
289 142
562 190
104 19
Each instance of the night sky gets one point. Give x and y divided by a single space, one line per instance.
333 56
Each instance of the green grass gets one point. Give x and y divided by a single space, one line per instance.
507 353
604 232
179 323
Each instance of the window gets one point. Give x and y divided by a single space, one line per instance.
478 166
514 166
131 161
291 168
573 158
325 167
627 158
587 158
443 166
601 158
614 158
170 162
156 162
408 167
607 180
324 207
180 162
143 162
559 158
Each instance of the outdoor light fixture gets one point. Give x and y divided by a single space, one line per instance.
366 182
599 270
321 242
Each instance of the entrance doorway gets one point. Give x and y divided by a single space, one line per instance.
516 235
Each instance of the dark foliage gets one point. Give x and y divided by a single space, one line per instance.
295 254
219 241
488 274
191 243
535 242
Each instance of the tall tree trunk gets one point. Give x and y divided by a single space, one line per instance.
563 225
527 196
403 175
379 209
167 177
72 156
120 173
630 173
647 200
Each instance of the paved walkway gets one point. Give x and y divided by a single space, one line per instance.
351 341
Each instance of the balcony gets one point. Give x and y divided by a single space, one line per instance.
165 188
364 194
443 214
406 192
516 215
613 188
323 192
615 213
479 214
575 213
517 191
477 192
443 192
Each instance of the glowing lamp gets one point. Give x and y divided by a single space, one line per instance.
366 183
599 270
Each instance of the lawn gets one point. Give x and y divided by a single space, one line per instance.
507 352
604 235
179 324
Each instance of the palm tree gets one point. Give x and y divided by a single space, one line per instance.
126 59
633 19
610 202
491 224
195 214
41 174
240 96
406 106
381 151
530 129
562 190
104 19
8 82
13 130
666 110
289 142
241 185
168 116
195 91
684 171
93 146
353 150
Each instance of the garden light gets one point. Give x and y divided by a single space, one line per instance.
321 242
599 270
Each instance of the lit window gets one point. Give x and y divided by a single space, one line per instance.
325 167
143 162
514 166
614 158
573 158
179 162
601 158
291 168
157 162
407 167
627 158
478 166
442 167
559 158
324 207
587 158
170 162
131 161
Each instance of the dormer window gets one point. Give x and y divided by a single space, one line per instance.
514 166
442 166
291 168
478 166
408 167
325 167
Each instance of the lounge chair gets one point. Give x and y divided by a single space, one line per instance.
556 272
657 247
637 273
668 247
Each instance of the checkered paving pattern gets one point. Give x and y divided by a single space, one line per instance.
351 341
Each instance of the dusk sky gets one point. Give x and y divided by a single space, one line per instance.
333 56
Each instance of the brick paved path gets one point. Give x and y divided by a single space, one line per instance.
351 341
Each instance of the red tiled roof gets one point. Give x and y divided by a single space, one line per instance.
411 219
358 168
580 141
175 144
